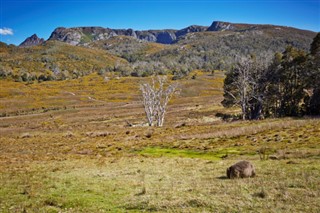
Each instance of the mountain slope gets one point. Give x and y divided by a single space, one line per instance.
52 60
209 50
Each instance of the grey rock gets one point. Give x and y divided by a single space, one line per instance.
190 29
32 41
81 35
146 36
221 26
165 37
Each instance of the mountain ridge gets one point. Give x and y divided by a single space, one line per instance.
81 35
75 52
86 34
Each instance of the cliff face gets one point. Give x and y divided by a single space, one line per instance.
82 35
85 35
190 29
221 26
32 41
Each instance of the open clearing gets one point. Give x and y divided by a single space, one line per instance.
82 146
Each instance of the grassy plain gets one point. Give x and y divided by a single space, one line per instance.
67 146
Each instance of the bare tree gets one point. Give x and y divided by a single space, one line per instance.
155 99
244 85
243 88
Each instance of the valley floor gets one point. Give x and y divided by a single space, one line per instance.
82 146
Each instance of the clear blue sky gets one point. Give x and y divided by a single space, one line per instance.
22 18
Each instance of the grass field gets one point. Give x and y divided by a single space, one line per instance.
66 147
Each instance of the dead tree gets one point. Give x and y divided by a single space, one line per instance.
155 99
244 85
244 88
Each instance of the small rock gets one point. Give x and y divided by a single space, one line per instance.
180 125
97 134
273 157
69 134
26 135
292 162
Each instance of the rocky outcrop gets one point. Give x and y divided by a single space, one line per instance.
124 32
190 29
146 36
86 35
82 35
221 26
78 35
164 36
66 35
32 41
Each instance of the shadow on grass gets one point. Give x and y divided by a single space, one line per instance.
223 178
228 117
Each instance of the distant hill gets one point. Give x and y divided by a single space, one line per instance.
217 47
85 35
52 60
140 53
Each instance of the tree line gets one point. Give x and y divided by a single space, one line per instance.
288 86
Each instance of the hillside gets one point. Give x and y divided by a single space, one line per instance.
217 50
52 60
74 52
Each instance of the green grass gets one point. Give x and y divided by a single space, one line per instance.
86 38
58 187
169 152
160 185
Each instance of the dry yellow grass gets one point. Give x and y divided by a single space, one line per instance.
85 158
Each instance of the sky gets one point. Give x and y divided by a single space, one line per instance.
23 18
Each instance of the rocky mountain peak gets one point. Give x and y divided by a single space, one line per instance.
221 26
32 41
